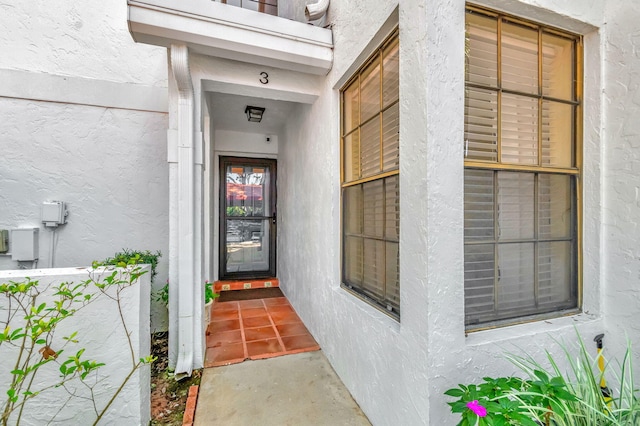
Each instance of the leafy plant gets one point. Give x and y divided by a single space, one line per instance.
163 295
128 257
209 294
496 402
549 396
133 257
27 335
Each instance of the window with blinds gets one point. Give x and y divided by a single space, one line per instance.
522 163
370 181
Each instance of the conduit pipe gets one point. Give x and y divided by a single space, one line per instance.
186 209
315 11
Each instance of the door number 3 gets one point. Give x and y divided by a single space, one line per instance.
264 77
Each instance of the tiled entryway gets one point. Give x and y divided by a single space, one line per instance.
255 329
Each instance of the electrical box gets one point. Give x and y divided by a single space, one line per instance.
4 241
24 244
54 213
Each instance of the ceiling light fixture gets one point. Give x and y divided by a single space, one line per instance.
254 113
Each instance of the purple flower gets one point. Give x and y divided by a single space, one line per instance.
477 408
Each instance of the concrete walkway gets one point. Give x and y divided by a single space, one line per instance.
292 390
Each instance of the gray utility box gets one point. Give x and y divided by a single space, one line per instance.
24 244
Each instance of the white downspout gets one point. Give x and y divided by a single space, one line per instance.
317 10
186 209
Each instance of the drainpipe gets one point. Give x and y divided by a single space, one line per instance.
186 209
317 10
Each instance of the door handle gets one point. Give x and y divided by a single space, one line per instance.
273 218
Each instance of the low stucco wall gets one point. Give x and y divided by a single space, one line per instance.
100 331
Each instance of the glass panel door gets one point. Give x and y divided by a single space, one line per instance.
247 218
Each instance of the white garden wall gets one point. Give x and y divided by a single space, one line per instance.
101 333
84 122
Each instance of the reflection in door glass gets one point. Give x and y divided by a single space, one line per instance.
247 245
247 191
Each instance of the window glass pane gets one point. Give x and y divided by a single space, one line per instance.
353 257
392 208
392 287
481 50
515 278
373 208
370 215
374 271
478 205
391 138
554 274
480 125
519 122
370 150
519 58
557 67
557 134
519 223
352 156
351 107
370 90
515 205
555 217
478 281
352 209
390 73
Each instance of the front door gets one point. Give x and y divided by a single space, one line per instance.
247 218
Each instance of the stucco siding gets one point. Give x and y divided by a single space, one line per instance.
621 154
84 119
398 371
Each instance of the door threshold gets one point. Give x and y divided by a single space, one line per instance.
248 284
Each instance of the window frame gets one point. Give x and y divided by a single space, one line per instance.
575 171
377 54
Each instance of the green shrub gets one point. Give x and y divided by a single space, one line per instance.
133 257
549 396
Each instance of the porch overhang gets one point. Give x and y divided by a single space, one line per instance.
226 31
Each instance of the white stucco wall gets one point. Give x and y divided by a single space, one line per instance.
227 142
77 39
398 371
100 332
621 252
84 111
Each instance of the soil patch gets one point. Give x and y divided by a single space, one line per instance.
168 396
256 293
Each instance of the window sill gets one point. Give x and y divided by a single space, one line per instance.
531 328
372 309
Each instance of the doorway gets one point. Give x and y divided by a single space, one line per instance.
247 218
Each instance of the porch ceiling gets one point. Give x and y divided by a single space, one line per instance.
227 113
231 32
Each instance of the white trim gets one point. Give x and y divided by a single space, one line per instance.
225 31
187 297
81 91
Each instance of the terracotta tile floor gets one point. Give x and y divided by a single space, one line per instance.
255 329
